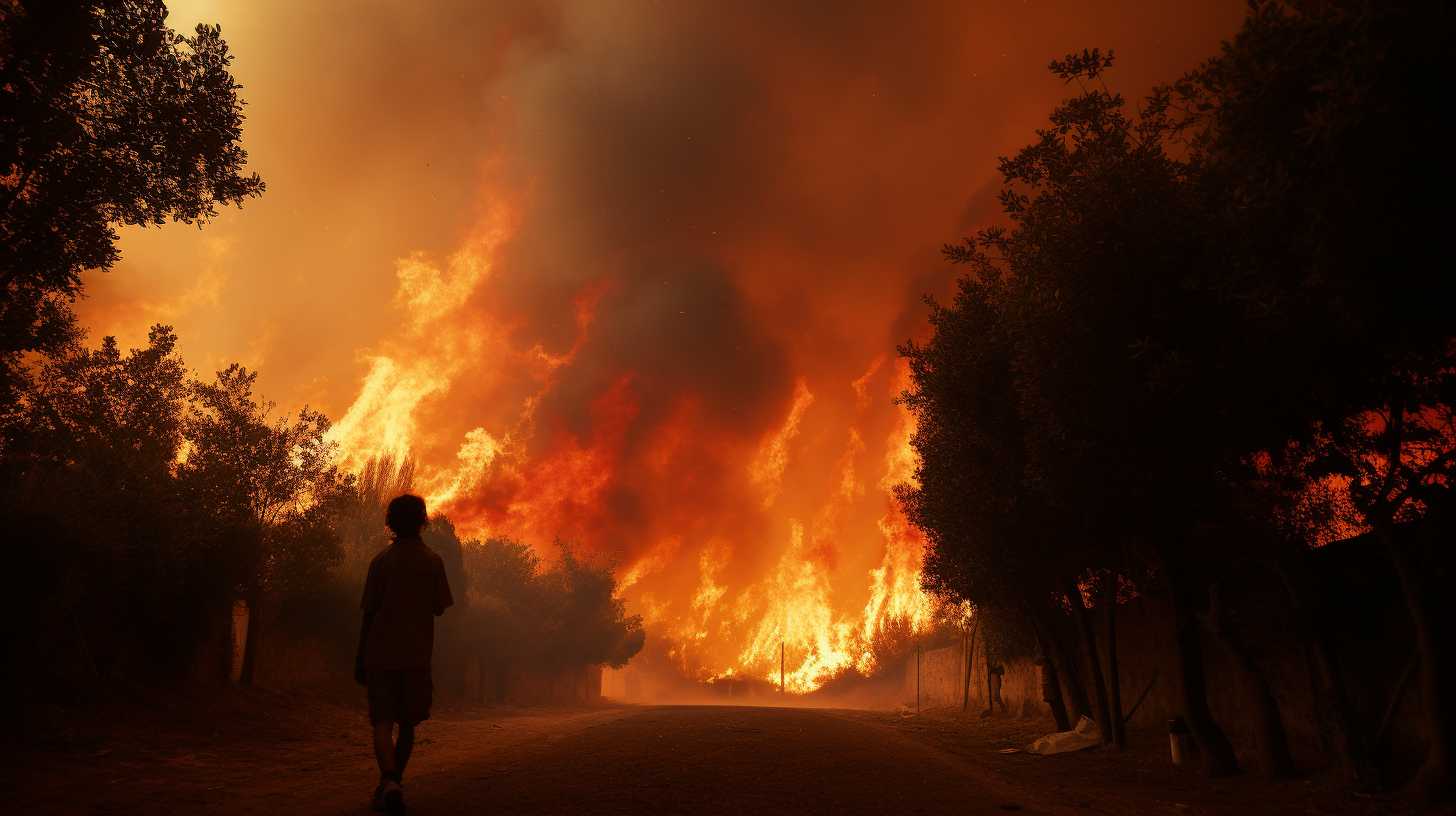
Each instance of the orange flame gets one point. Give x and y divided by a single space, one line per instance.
729 602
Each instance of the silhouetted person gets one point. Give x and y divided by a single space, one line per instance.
404 593
994 674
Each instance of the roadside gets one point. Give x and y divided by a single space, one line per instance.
1140 780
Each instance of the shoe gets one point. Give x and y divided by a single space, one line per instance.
377 803
393 795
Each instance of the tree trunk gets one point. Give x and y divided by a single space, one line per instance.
1433 782
1114 681
250 641
970 653
1218 753
990 693
1071 677
1271 739
1338 731
1083 620
1051 693
1051 689
1381 742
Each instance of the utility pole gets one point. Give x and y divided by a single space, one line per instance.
781 667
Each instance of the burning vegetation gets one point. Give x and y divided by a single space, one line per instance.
640 363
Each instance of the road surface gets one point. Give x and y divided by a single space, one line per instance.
276 756
712 760
252 751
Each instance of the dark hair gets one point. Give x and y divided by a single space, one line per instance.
406 515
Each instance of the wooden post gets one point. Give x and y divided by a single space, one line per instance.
970 655
782 687
917 678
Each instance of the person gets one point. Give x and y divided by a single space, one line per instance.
994 674
405 591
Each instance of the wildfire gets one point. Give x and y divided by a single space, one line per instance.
424 360
768 467
631 486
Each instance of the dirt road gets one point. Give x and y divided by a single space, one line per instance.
259 752
707 760
689 759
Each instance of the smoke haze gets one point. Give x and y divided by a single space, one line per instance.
628 274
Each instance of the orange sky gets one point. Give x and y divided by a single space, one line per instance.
630 274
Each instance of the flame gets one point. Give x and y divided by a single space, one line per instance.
537 477
800 619
432 351
895 585
767 470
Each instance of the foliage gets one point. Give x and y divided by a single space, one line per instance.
1208 332
527 614
274 480
108 118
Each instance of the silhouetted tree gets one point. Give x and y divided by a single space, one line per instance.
113 587
272 486
590 623
1217 310
985 516
107 117
502 597
523 616
1314 130
1112 353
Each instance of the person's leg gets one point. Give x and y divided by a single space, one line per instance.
416 696
386 690
384 749
403 746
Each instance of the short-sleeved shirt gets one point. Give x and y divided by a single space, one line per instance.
405 590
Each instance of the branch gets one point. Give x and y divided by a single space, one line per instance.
19 189
1395 431
1418 480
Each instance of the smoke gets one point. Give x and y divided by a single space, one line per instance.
630 274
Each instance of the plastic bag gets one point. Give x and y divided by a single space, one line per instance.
1085 735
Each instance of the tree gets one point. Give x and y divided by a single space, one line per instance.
986 519
1119 358
272 488
1313 126
523 615
591 623
87 460
501 600
107 117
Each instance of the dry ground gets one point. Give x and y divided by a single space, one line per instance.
257 752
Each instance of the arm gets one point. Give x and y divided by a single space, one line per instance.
443 598
370 605
359 675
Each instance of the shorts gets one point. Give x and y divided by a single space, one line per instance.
399 696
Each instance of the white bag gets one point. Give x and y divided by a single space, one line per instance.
1085 735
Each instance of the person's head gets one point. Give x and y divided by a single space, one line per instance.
406 515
